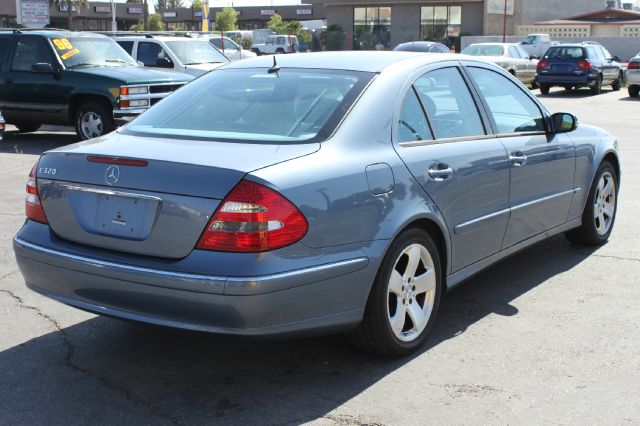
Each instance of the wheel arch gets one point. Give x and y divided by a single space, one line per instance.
612 158
80 98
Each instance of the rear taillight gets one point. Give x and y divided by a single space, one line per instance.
253 218
33 206
584 65
633 66
542 65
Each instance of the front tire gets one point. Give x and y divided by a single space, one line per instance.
600 211
617 84
544 89
404 299
93 119
27 127
596 89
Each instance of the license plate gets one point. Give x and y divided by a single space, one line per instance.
125 217
562 68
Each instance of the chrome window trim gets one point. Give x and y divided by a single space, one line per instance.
516 134
446 140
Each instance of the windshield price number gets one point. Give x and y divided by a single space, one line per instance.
46 171
62 44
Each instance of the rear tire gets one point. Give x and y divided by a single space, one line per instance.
596 89
568 88
27 127
634 91
93 119
544 89
600 211
617 84
404 300
280 51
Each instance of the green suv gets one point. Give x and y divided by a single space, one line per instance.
70 78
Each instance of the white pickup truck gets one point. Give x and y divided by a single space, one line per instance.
537 44
277 44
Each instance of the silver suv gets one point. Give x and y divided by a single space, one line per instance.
183 54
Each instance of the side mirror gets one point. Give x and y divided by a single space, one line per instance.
42 68
532 57
615 58
140 63
163 62
564 122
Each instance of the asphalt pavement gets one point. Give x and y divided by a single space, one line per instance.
550 335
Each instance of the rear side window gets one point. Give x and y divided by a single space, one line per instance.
252 105
216 42
565 53
126 45
4 42
30 51
450 107
413 125
512 110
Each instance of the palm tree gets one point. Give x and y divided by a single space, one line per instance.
70 4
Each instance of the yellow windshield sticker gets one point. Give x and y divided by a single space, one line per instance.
62 44
69 54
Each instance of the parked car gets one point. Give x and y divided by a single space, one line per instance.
188 55
232 50
2 127
633 76
277 44
577 65
510 56
422 46
537 44
70 78
342 191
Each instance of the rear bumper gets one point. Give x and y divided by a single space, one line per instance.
633 78
561 80
304 301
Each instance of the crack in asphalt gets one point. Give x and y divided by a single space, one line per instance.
606 256
69 361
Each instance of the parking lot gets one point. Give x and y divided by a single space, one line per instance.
551 335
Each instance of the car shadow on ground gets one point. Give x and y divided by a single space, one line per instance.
189 377
15 142
576 93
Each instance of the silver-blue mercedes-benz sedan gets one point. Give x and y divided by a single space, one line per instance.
316 193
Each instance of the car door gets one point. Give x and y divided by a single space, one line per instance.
464 170
5 44
529 64
151 54
33 97
611 71
542 165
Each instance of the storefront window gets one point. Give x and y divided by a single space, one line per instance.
441 23
371 28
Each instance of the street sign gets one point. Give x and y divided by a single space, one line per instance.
496 7
33 13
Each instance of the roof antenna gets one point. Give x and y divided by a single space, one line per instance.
275 68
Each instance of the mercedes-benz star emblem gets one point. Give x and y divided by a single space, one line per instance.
112 175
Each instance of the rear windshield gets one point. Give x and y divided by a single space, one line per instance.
564 53
252 105
484 50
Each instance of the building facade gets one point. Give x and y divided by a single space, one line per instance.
387 23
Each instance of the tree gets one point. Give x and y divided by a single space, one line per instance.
277 24
333 37
295 28
154 24
226 19
70 5
197 4
175 4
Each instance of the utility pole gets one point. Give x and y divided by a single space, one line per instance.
145 17
504 23
114 24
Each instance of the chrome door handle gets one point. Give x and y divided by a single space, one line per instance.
518 158
440 172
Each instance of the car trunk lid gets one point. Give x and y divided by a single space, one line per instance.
158 204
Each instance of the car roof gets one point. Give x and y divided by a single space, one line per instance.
367 61
493 44
54 33
159 38
583 44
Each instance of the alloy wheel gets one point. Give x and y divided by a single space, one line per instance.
91 125
604 203
411 292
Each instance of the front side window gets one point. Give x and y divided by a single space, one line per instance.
484 50
450 107
150 53
523 53
413 125
512 110
371 28
255 106
30 51
513 52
